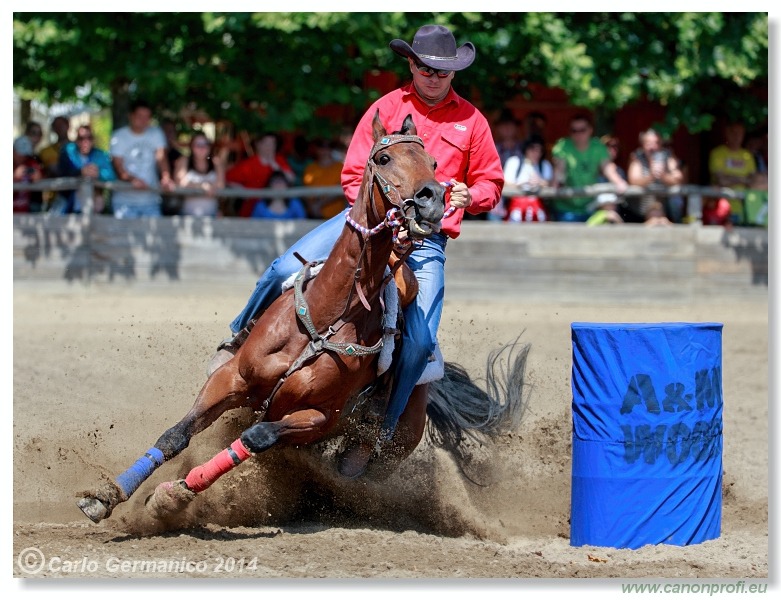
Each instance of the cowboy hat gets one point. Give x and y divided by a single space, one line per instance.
434 46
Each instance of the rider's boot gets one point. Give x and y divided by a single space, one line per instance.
355 459
363 440
228 348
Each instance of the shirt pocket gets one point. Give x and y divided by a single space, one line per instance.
453 153
457 139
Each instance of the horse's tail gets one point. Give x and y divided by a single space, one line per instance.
458 409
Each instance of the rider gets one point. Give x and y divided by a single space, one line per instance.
459 138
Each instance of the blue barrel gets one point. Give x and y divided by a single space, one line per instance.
646 434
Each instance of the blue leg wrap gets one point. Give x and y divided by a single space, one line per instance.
131 479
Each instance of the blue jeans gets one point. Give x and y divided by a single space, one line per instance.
315 245
421 322
421 317
135 211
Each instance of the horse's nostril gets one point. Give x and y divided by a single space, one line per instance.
430 193
424 193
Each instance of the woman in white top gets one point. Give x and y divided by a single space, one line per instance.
200 170
534 172
530 173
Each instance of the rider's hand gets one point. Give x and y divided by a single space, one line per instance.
459 194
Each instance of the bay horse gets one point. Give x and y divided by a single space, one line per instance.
310 362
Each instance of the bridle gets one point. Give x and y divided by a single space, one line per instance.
396 216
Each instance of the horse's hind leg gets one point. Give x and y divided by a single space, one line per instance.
409 431
223 391
174 495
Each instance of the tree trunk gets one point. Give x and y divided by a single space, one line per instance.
120 105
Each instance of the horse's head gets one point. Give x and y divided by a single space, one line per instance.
402 175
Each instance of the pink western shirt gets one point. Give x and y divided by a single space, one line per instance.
454 132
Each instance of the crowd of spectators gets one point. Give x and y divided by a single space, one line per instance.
580 160
156 160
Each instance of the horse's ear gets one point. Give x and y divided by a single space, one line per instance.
408 127
378 129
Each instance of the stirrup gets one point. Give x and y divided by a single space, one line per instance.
232 344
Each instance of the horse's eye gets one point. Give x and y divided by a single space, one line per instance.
435 165
384 159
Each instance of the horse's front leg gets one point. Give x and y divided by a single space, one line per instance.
175 495
224 390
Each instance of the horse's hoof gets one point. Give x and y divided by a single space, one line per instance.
169 497
261 436
95 510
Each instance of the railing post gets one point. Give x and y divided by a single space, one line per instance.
86 195
694 209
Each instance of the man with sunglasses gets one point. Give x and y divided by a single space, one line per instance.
578 161
458 136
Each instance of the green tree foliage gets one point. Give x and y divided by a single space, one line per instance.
276 70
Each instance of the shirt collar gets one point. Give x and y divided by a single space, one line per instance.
409 93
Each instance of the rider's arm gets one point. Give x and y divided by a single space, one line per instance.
485 177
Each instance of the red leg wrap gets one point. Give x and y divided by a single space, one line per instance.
203 476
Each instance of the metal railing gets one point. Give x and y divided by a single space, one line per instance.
86 190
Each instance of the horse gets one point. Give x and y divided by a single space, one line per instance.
309 366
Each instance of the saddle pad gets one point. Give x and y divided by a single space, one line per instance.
435 369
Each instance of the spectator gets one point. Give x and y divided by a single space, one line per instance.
299 159
716 211
171 205
202 170
25 144
27 169
613 146
174 147
50 155
650 164
342 143
138 152
578 160
255 171
508 142
82 159
279 208
756 143
535 124
531 173
655 215
676 204
324 171
732 166
605 210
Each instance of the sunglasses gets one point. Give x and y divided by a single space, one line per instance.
81 138
201 145
428 71
578 129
